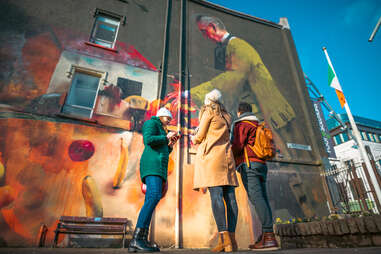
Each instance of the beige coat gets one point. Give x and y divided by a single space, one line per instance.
214 164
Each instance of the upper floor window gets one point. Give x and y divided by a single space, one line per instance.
105 28
337 139
345 136
83 92
363 135
375 138
371 137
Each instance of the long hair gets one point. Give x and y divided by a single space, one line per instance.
216 107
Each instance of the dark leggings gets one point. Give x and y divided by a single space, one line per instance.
217 195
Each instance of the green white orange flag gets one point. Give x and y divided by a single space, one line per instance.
333 81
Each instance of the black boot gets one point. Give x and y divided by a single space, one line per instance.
145 238
138 244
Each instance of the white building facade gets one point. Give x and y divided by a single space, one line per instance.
352 179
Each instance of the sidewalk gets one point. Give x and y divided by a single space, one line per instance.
365 250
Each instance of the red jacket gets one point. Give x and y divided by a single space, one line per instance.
243 134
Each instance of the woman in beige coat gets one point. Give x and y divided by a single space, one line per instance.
215 168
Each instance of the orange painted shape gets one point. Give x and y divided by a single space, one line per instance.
14 223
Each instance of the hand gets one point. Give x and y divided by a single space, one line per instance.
173 140
171 134
193 132
193 139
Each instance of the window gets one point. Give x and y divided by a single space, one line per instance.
349 163
337 139
129 87
368 136
363 135
105 28
371 138
344 136
80 100
375 138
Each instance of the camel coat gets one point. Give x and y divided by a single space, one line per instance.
214 164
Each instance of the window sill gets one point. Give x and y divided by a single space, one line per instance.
76 118
100 46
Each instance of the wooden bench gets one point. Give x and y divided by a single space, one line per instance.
91 226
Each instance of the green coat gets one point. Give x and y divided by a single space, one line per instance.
154 160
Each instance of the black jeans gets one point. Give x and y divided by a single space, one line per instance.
217 195
254 181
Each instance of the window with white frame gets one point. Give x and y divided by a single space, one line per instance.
363 135
105 28
344 136
376 138
83 92
371 138
337 139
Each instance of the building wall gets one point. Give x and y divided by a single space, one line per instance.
349 150
54 164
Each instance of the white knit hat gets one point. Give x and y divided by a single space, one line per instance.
215 96
163 112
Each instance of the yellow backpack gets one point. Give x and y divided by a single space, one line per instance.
263 147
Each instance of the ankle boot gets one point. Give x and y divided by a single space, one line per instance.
224 243
234 242
267 242
145 238
138 244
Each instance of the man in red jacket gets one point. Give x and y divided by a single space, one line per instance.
253 176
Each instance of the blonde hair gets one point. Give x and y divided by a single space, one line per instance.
217 108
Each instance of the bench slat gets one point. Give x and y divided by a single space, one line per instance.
92 233
93 227
98 220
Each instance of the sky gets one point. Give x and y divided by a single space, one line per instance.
343 27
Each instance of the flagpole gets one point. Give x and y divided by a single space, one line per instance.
357 136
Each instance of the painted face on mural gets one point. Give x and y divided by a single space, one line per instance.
209 31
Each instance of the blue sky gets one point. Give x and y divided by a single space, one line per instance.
343 27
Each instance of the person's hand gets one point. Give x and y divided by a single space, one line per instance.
173 140
193 139
170 135
193 131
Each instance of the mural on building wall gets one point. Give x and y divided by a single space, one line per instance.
249 61
85 161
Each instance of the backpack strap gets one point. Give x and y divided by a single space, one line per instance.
244 148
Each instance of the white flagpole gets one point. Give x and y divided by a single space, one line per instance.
357 136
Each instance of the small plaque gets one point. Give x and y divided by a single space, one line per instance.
299 146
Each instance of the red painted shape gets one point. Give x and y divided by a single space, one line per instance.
122 53
81 150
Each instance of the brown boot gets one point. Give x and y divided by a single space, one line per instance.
224 243
234 242
267 242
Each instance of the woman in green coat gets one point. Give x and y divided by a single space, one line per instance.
153 172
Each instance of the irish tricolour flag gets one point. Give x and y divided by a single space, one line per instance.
333 81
